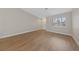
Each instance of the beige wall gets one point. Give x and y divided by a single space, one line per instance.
75 21
14 21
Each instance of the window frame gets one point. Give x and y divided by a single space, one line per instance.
59 21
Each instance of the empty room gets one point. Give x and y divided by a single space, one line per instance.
39 29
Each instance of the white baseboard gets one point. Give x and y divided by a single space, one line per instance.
28 32
16 34
76 40
59 33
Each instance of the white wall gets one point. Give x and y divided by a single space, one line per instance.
75 23
14 21
63 30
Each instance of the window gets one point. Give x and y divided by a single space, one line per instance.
59 21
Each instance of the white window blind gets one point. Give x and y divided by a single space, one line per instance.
59 21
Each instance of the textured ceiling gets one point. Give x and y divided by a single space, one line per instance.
43 12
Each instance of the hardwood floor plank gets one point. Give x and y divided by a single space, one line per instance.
40 40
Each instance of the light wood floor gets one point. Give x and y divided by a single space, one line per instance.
40 40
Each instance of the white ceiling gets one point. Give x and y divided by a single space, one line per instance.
41 12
